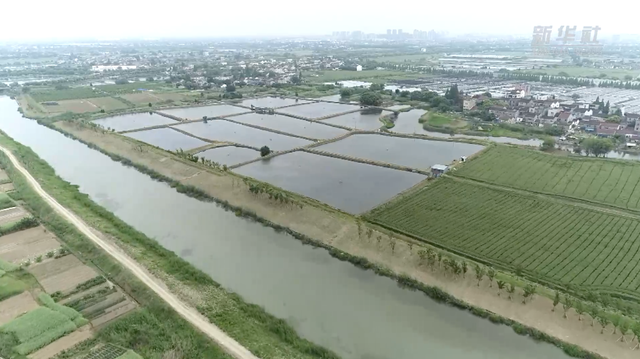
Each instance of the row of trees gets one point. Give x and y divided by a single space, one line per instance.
598 147
193 158
273 193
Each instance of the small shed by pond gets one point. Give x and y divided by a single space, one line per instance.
438 170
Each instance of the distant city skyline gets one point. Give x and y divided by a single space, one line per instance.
73 19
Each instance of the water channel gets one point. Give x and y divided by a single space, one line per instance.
353 312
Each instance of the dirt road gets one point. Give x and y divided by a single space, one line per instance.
227 343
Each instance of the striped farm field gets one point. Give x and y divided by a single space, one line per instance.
556 242
609 182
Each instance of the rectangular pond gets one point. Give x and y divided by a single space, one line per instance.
220 130
134 121
291 125
229 155
407 122
318 109
272 102
350 186
167 139
194 113
362 120
410 152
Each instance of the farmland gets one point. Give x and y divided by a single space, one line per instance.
554 241
603 181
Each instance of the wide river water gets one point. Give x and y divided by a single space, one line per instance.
353 312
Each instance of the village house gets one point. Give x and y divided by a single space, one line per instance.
469 104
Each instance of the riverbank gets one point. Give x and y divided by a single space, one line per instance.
263 334
338 230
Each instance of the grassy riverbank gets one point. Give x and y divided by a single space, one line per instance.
155 328
364 263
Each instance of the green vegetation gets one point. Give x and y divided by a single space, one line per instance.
603 181
5 201
36 329
559 244
340 75
10 286
70 313
264 151
19 225
370 98
152 330
66 94
130 354
7 267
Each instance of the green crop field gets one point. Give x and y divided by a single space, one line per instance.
37 328
603 181
556 242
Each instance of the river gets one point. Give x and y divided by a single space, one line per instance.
353 312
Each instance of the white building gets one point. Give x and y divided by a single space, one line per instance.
359 68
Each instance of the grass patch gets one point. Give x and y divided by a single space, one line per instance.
7 266
554 243
5 201
19 225
130 354
340 75
599 181
37 328
10 286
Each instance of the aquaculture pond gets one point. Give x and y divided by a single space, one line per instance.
194 113
353 312
350 186
229 155
318 109
220 130
368 120
291 125
407 123
272 102
134 121
167 139
410 152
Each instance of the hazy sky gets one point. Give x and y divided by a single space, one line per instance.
113 19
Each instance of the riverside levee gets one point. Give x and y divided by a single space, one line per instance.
353 312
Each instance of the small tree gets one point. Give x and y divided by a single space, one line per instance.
604 321
511 290
568 304
529 292
624 328
548 144
635 328
423 255
150 105
464 268
579 307
593 313
500 284
479 273
264 151
491 274
556 300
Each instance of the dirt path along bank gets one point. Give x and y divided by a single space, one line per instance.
227 343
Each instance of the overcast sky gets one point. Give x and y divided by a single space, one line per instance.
119 19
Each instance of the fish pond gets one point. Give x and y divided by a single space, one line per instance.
407 123
167 139
368 119
229 155
318 109
194 113
225 131
134 121
272 102
291 125
350 186
409 152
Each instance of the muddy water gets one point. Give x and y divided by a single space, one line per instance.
355 313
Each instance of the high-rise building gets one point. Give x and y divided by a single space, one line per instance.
399 31
394 32
388 31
